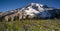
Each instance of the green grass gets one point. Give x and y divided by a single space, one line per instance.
33 25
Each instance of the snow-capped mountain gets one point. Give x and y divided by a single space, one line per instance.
33 10
40 10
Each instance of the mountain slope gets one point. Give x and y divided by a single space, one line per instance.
32 10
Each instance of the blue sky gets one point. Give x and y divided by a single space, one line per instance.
6 5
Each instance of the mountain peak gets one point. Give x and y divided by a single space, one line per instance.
32 4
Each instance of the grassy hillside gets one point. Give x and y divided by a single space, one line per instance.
31 25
